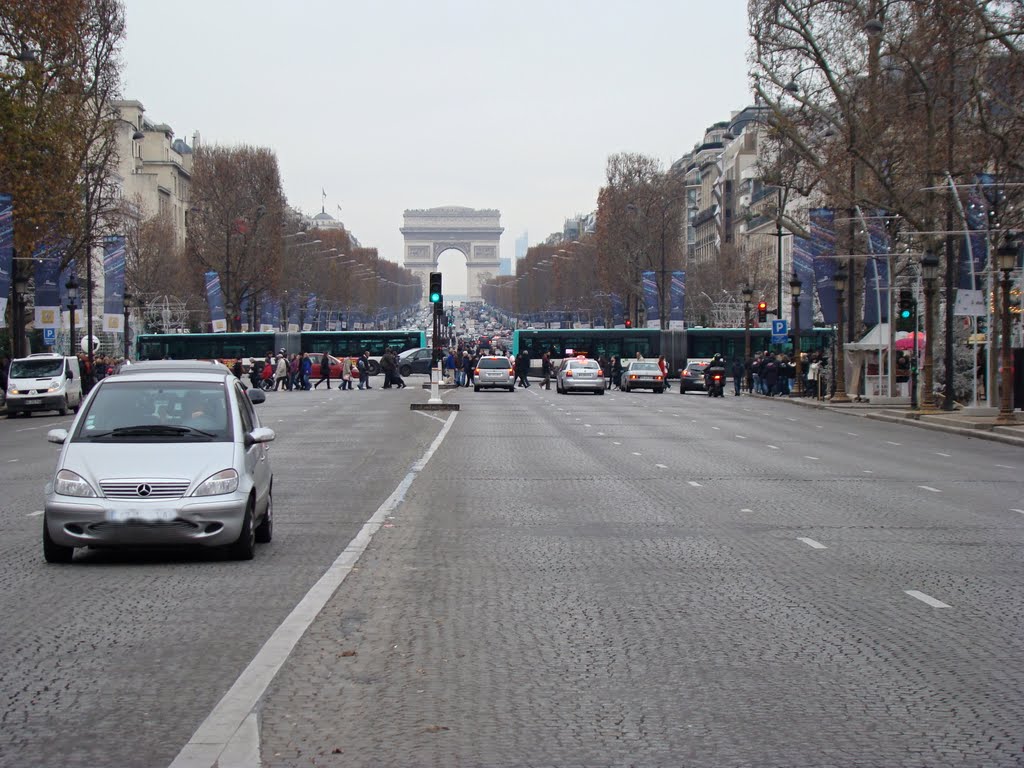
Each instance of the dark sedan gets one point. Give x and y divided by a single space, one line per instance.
416 360
692 378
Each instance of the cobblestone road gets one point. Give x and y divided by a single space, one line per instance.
570 581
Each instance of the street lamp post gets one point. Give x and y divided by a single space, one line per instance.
795 286
839 373
20 291
1007 256
929 272
127 315
72 286
748 295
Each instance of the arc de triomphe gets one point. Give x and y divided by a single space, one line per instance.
476 233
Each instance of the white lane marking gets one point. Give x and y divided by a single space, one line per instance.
741 437
1014 509
811 542
890 442
947 455
929 488
675 414
637 454
716 427
37 513
600 434
28 429
788 418
223 725
853 434
430 416
926 599
746 510
616 442
812 458
694 483
585 425
774 447
244 748
11 461
768 413
818 426
869 472
1005 466
661 466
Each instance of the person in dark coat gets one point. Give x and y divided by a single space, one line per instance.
325 371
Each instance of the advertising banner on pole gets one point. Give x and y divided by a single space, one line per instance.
270 315
677 300
216 301
48 258
803 265
6 252
243 314
651 303
309 313
293 315
62 289
113 283
974 253
823 251
618 311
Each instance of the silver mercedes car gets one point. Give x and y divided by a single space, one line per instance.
162 458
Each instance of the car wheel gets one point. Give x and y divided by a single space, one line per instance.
52 551
512 388
265 530
600 391
660 390
405 370
476 389
63 410
373 367
244 547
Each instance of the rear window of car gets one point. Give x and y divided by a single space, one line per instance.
584 364
698 367
494 362
644 367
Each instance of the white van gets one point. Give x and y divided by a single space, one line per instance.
43 382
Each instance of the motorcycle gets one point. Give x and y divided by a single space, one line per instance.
716 382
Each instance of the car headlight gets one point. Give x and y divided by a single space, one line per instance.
54 386
67 483
12 388
225 481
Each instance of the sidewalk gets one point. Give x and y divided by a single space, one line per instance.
953 422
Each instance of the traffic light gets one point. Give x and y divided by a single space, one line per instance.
629 323
435 288
906 303
762 311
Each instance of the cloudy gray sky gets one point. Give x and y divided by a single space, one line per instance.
395 104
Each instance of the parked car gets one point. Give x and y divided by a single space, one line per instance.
494 371
417 360
158 459
642 374
579 374
692 378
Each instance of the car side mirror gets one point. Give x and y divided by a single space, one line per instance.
71 374
256 396
260 435
57 436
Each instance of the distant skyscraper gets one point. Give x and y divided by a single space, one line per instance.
522 246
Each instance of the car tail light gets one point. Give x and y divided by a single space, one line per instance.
600 372
511 372
476 371
657 378
686 374
717 377
568 374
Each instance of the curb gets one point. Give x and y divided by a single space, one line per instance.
981 434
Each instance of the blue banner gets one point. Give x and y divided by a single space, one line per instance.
974 254
113 283
47 276
677 299
216 302
309 313
618 311
6 252
803 266
292 309
823 251
651 303
876 272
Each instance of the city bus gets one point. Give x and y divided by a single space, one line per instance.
678 346
228 347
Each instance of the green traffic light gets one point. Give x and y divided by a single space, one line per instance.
435 297
905 314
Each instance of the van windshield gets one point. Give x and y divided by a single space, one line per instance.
37 368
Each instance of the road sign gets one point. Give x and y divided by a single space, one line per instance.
49 336
779 335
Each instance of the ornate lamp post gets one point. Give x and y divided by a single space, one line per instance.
20 291
795 287
127 313
72 286
839 281
748 294
929 272
1007 260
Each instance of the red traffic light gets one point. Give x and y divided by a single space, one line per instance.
762 307
629 323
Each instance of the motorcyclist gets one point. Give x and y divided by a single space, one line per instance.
715 367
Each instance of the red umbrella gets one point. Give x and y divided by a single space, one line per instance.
907 342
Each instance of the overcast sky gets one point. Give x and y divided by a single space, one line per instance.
395 104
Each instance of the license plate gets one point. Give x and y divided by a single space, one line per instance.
143 515
33 402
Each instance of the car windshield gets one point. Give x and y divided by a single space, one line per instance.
644 367
494 362
156 411
37 368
